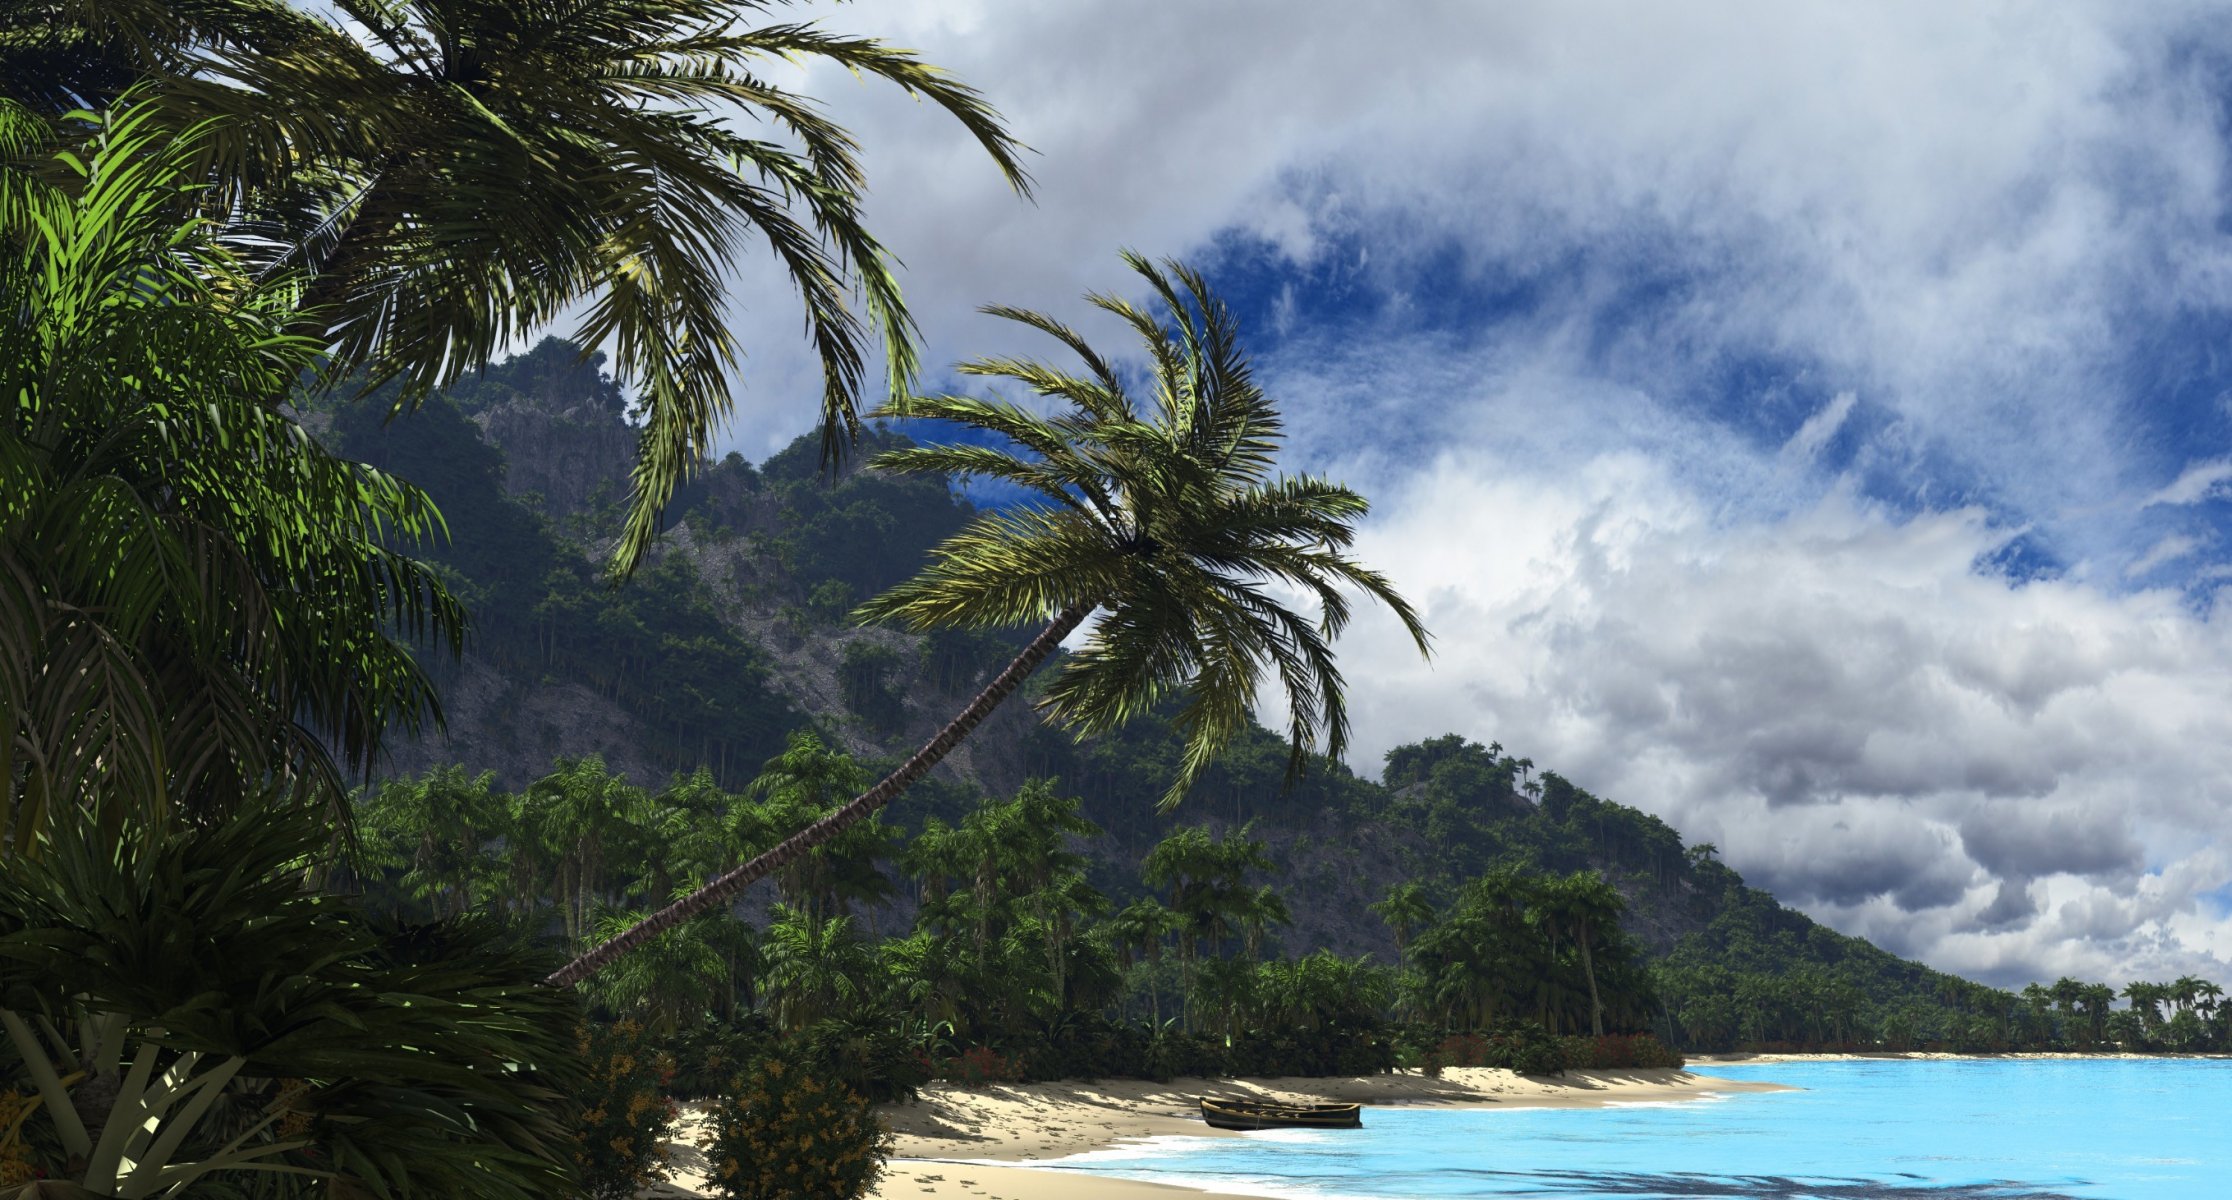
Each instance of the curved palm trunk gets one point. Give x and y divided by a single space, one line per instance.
725 887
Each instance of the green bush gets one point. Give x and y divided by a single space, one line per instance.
440 1060
707 1057
870 1056
622 1115
783 1132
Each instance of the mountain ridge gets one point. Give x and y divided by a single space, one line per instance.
733 634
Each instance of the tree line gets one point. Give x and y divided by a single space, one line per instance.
994 934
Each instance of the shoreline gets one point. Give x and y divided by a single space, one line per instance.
1741 1058
959 1143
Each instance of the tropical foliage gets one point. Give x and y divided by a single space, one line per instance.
197 601
452 177
622 1114
1001 955
293 1035
1448 813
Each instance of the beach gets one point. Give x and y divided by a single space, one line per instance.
954 1142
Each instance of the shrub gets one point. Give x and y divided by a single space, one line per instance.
622 1116
782 1132
869 1056
1615 1051
1344 1047
980 1065
16 1167
1463 1050
707 1057
1521 1046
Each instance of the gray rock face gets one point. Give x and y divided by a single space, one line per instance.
574 455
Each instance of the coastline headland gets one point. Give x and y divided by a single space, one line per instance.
954 1142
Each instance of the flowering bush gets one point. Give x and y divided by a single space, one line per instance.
980 1065
16 1168
785 1133
622 1115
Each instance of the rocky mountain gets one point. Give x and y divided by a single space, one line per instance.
733 635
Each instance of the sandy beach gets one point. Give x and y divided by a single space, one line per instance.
952 1144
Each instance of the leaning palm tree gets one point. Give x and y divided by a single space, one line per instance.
1166 517
453 177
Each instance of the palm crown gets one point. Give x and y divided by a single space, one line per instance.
455 175
1168 516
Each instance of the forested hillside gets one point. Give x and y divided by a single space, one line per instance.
736 636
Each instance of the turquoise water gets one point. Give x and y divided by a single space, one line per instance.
1930 1130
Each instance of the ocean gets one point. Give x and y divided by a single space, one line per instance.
1962 1129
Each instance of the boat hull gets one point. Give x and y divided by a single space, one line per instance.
1256 1114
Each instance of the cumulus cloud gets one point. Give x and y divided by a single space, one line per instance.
2010 780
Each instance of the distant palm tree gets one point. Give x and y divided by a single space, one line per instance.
456 176
688 972
435 830
1406 910
574 818
1583 905
795 789
1169 518
1258 911
815 969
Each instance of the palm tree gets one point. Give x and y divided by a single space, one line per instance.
1258 911
688 972
1406 910
2146 1001
1583 905
197 603
796 788
1169 519
457 176
1136 932
435 829
815 969
576 816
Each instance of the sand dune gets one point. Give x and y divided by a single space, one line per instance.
943 1140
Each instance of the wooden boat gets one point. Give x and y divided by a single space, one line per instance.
1264 1114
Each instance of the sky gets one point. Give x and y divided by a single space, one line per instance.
1809 423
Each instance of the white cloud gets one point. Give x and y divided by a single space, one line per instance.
2196 483
2170 549
2012 781
1806 444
